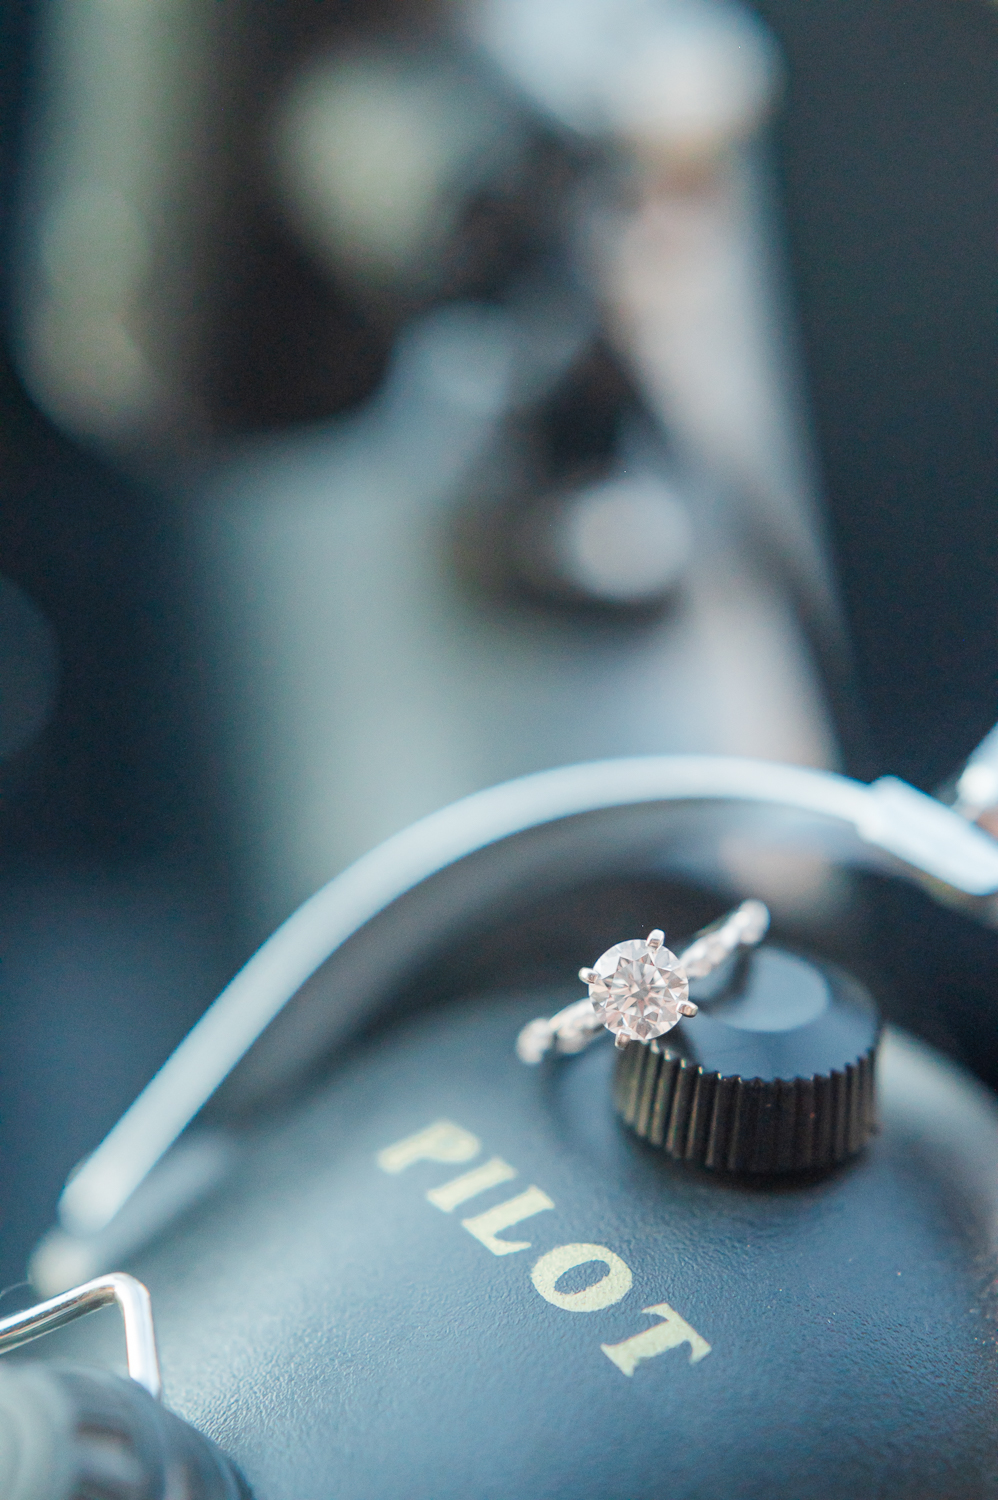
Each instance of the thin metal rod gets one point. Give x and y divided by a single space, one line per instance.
136 1314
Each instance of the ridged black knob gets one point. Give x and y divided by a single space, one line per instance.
775 1074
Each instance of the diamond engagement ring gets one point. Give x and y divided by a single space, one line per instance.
638 989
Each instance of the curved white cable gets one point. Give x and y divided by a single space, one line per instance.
889 816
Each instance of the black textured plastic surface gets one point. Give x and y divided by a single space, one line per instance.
344 1338
776 1074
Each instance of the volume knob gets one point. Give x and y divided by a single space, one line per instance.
775 1075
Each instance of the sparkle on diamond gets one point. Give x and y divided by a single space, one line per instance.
639 990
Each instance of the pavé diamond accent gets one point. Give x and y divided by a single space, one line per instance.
638 990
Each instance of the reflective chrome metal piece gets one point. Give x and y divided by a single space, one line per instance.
136 1313
973 792
573 1028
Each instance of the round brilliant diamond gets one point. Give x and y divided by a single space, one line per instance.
639 990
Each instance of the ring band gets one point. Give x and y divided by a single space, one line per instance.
639 989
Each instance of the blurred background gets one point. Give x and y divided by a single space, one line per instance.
400 398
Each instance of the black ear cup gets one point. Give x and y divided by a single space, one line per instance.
81 1434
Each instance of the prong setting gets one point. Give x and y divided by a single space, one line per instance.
640 990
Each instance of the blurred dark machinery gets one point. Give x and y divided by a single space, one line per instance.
574 519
